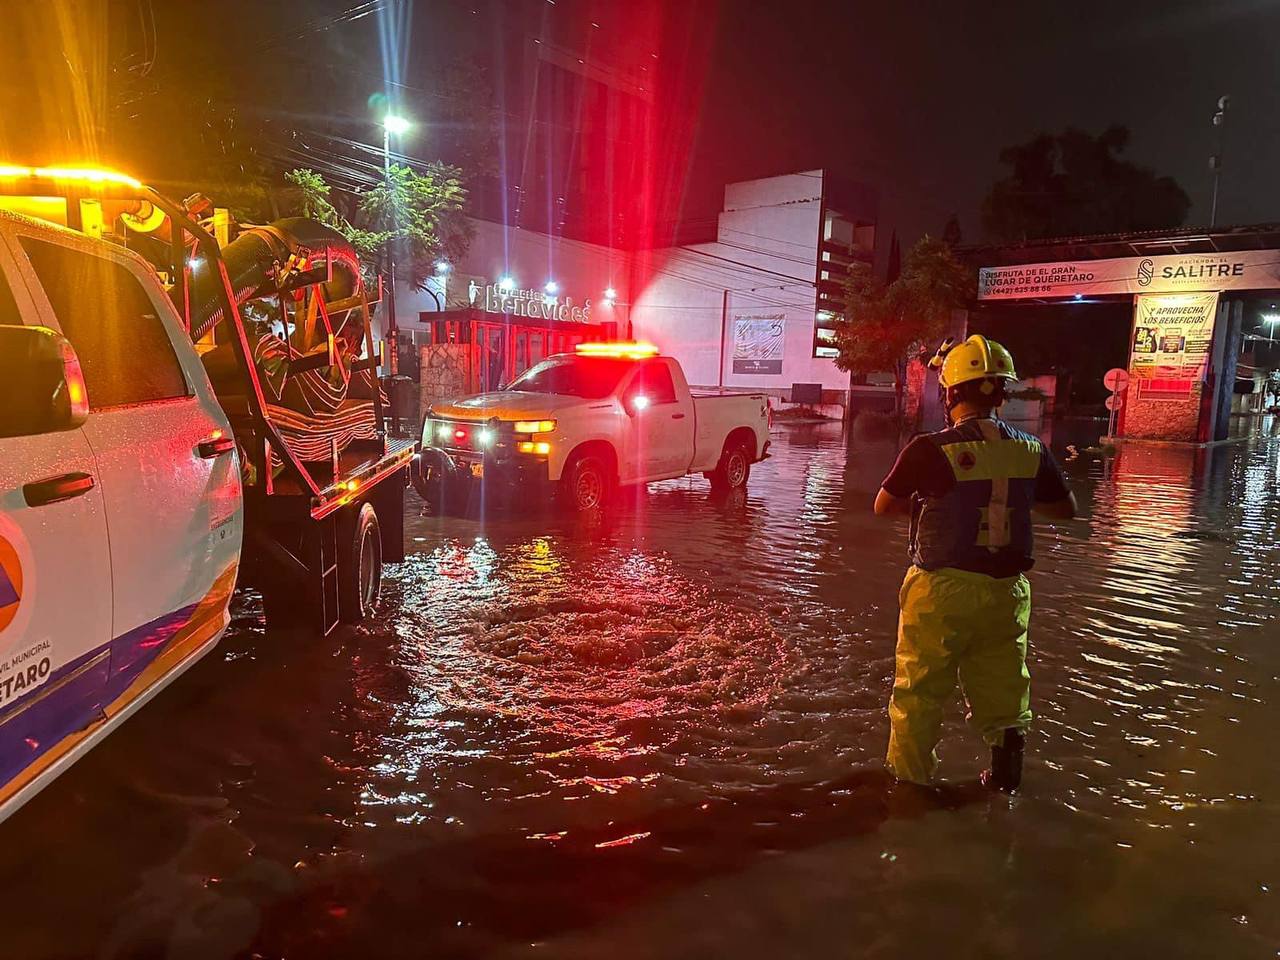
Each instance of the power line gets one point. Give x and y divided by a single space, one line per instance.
738 264
761 236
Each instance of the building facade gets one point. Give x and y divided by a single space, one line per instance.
751 308
515 297
754 307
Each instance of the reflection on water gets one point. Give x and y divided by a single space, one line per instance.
659 733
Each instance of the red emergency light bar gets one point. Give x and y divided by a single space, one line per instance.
627 350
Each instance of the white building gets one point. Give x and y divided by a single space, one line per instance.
754 307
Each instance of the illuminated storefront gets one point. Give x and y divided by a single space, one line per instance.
503 345
516 297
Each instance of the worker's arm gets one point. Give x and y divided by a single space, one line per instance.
1064 509
887 505
910 474
1053 498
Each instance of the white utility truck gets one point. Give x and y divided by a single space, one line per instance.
579 425
185 404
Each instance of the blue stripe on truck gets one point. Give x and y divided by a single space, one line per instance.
72 698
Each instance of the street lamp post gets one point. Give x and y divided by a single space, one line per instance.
1215 161
391 125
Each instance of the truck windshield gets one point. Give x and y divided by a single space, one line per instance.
592 378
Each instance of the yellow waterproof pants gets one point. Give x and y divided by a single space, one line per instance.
954 622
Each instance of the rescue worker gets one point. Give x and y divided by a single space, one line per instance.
966 602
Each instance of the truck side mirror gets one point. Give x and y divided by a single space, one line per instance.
635 403
41 386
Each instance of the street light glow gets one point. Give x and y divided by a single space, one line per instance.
551 287
442 266
611 294
506 283
395 125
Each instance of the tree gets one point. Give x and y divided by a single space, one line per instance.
885 320
420 214
1074 184
951 232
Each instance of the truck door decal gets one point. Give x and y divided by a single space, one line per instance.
10 583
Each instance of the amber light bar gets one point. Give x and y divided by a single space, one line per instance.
96 175
629 350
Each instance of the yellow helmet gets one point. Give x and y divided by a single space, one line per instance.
974 359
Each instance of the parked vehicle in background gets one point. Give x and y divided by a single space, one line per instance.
577 426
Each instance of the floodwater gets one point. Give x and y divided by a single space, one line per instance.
660 735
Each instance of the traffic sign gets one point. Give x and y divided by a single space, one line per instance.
1115 402
1116 379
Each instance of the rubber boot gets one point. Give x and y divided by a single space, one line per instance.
1005 774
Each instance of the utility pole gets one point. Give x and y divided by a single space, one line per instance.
1215 160
397 125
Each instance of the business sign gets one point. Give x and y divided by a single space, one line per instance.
519 302
1240 270
1172 337
1168 365
757 343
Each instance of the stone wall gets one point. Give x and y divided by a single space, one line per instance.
1172 419
445 373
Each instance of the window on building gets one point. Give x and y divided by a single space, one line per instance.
110 319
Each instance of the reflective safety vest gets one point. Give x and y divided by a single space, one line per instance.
983 522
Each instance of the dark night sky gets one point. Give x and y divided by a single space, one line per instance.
914 98
918 98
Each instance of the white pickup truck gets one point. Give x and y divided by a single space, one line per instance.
580 424
128 512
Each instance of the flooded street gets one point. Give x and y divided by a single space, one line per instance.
660 735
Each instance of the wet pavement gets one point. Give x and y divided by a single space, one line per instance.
659 734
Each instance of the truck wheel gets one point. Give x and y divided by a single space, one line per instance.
734 468
359 565
586 484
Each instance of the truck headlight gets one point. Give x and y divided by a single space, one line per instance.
535 426
444 432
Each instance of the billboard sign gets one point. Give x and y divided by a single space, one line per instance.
757 343
1172 336
1239 270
